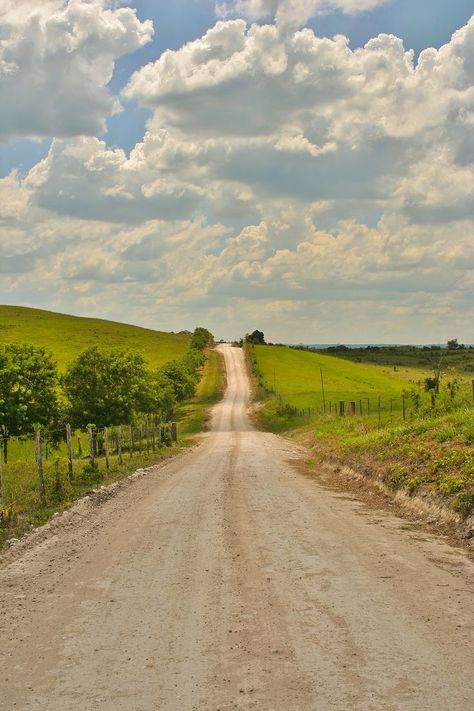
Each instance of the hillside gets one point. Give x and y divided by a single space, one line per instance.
295 375
66 336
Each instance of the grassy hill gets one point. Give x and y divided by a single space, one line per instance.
296 377
66 336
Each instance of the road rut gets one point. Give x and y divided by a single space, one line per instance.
225 579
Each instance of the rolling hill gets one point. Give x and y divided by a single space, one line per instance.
295 374
66 336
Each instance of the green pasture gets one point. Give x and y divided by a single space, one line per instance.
67 336
296 377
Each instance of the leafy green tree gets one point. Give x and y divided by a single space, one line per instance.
107 387
163 397
257 338
182 378
28 380
201 338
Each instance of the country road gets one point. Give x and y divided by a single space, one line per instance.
227 579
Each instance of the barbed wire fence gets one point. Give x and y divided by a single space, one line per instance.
382 408
87 446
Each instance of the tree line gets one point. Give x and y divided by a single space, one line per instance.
100 387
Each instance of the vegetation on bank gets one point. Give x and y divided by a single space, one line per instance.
427 450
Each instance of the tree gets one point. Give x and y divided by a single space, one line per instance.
28 380
453 345
107 387
201 338
181 377
257 338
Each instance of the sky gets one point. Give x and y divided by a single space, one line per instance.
303 167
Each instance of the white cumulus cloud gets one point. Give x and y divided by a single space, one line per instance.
56 59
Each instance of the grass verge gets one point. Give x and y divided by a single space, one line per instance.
194 415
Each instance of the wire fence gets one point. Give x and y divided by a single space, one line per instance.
82 450
380 407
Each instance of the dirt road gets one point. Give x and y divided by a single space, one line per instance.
225 579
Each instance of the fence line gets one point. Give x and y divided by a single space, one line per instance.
102 443
390 407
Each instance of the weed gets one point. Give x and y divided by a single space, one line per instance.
464 503
397 477
413 484
446 435
451 485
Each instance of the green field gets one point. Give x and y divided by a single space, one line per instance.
66 336
296 377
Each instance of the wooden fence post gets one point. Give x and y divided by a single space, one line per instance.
153 434
352 407
342 407
140 438
79 447
119 445
90 435
130 431
147 435
2 492
70 465
39 464
368 405
174 431
106 447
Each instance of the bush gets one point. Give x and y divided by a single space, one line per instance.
464 504
90 473
451 485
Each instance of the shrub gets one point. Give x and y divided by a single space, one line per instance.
398 477
451 485
464 504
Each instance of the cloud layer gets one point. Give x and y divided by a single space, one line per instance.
283 178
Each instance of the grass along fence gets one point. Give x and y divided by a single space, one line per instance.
380 407
40 475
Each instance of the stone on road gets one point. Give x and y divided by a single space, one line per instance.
226 579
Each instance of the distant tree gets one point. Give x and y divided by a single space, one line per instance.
453 345
28 380
107 387
256 338
201 338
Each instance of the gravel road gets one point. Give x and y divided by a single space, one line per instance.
226 579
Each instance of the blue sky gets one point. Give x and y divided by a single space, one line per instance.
281 171
420 23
